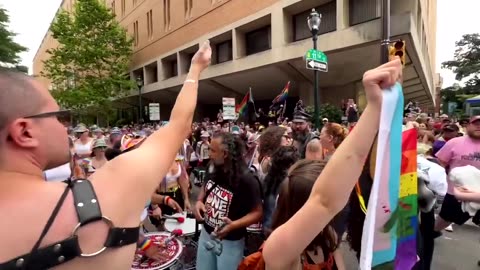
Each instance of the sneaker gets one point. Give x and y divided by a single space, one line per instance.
449 228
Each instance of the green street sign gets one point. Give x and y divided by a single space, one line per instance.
317 56
316 60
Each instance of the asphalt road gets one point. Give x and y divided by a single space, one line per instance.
457 250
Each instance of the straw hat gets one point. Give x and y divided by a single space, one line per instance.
80 129
98 130
99 143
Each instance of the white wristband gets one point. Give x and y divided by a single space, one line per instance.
190 81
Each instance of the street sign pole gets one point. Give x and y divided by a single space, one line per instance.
315 86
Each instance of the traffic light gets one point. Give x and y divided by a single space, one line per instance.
398 49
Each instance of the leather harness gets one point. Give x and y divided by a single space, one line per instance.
88 210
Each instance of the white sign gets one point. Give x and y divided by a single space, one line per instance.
154 111
321 66
229 108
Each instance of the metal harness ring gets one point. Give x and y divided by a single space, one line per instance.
107 221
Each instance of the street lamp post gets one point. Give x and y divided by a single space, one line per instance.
140 86
314 21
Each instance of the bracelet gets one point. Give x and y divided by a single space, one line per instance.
190 81
145 244
167 199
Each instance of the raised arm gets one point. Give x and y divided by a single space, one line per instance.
328 197
136 174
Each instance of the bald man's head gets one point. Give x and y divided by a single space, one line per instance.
314 150
19 97
30 126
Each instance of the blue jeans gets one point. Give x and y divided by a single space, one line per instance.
230 258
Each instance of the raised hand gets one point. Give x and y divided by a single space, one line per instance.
380 78
201 59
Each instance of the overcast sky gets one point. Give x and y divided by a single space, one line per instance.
31 19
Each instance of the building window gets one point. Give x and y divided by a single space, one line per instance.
328 24
174 68
364 10
188 4
166 14
135 33
123 7
112 7
259 40
150 24
224 51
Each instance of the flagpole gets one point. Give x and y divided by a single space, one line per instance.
284 108
250 93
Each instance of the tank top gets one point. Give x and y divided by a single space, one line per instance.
82 149
58 174
172 178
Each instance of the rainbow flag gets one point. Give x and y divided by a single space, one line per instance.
408 203
242 108
282 97
388 240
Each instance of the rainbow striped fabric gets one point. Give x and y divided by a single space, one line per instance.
242 108
282 97
388 240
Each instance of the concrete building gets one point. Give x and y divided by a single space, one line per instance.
261 44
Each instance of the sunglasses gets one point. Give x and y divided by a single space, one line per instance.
63 116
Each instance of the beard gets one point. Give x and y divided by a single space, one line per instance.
299 135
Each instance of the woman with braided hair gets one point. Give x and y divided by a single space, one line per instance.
229 202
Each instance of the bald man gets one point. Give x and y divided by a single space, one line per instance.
88 229
314 150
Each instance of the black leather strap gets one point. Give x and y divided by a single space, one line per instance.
86 202
88 210
118 237
46 257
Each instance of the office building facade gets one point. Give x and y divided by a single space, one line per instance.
261 44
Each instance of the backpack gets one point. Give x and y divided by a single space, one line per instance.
253 261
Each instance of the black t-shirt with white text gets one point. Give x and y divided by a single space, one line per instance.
226 201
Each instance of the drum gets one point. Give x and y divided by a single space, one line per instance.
187 227
189 254
171 254
188 259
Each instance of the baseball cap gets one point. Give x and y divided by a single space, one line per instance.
450 127
474 118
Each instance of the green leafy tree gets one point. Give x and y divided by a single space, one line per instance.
88 67
332 112
466 63
9 49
